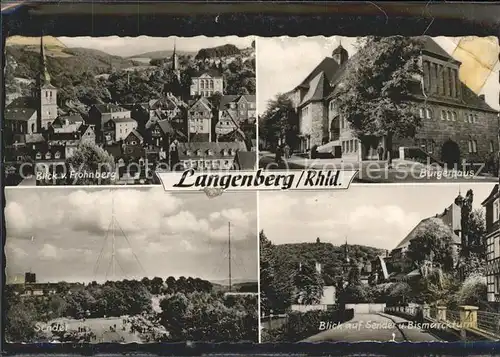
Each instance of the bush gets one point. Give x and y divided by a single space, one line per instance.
472 291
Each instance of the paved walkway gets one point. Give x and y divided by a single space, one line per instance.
373 171
372 328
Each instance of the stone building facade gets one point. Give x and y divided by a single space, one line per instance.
492 206
456 123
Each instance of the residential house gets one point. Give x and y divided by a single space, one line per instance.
206 83
456 123
492 206
241 108
225 125
117 129
100 114
69 141
50 160
200 121
66 123
209 155
160 135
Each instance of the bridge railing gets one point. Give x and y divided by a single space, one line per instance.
467 318
489 321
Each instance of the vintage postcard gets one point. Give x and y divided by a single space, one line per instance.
398 109
130 265
381 265
116 110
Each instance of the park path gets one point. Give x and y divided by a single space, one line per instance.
372 327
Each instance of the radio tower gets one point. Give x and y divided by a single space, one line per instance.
113 226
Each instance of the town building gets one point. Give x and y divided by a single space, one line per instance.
200 121
456 123
66 123
241 108
492 206
20 120
100 114
117 129
209 155
206 83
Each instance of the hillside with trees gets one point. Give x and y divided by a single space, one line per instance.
219 51
287 273
87 76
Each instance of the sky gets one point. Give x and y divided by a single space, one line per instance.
379 216
130 46
283 62
58 233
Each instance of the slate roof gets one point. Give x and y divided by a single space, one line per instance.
426 225
34 138
19 114
211 72
123 120
493 194
72 119
136 133
24 102
318 89
109 108
227 99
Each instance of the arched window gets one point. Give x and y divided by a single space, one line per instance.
48 156
38 155
443 115
428 113
421 113
57 155
448 115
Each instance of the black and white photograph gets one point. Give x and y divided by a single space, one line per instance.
401 263
115 110
130 265
398 109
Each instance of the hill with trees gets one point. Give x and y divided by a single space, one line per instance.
330 256
219 51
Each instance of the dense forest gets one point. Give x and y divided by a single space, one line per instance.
87 76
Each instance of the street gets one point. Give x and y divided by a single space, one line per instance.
372 327
371 171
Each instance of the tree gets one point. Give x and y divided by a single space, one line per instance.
433 243
279 122
20 323
91 164
354 277
156 285
267 277
376 87
317 240
309 285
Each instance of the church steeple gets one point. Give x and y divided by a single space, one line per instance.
175 63
44 74
340 54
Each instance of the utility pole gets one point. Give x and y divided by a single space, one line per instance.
229 244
